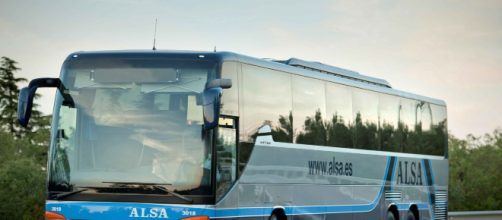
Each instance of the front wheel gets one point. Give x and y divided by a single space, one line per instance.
277 216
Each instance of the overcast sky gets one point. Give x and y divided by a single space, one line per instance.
451 50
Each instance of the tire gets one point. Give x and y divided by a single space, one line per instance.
410 216
390 216
277 216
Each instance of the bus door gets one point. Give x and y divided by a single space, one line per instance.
226 154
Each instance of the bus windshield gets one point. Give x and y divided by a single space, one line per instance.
133 121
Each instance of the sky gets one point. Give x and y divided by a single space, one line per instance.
450 50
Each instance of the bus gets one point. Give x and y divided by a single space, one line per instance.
218 135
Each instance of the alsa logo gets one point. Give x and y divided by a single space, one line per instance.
409 173
148 213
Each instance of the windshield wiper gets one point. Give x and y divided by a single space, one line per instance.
61 195
159 186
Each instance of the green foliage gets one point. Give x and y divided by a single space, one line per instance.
23 152
475 172
8 94
22 189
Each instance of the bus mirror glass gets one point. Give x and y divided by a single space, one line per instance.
211 107
219 83
24 106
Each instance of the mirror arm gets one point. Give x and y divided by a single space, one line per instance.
67 99
52 83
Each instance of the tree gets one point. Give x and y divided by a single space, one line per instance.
474 172
8 94
23 152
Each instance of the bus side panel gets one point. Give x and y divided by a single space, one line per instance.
315 182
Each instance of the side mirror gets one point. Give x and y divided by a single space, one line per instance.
211 107
219 83
27 94
24 105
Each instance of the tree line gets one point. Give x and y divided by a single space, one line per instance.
474 175
474 178
23 152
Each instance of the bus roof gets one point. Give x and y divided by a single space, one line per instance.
293 65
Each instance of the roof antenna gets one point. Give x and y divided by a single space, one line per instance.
155 35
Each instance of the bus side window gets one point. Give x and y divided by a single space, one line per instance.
439 129
423 128
263 102
365 114
339 115
388 122
407 124
230 96
309 111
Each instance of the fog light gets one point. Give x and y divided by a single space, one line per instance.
196 218
53 216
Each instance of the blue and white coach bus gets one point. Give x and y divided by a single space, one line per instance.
218 135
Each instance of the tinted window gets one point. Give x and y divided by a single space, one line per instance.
365 113
309 111
339 115
422 128
389 116
406 129
425 119
230 97
438 132
266 101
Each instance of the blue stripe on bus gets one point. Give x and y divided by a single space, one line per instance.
427 173
433 187
406 206
392 175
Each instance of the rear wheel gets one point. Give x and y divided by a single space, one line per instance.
273 217
410 216
390 216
